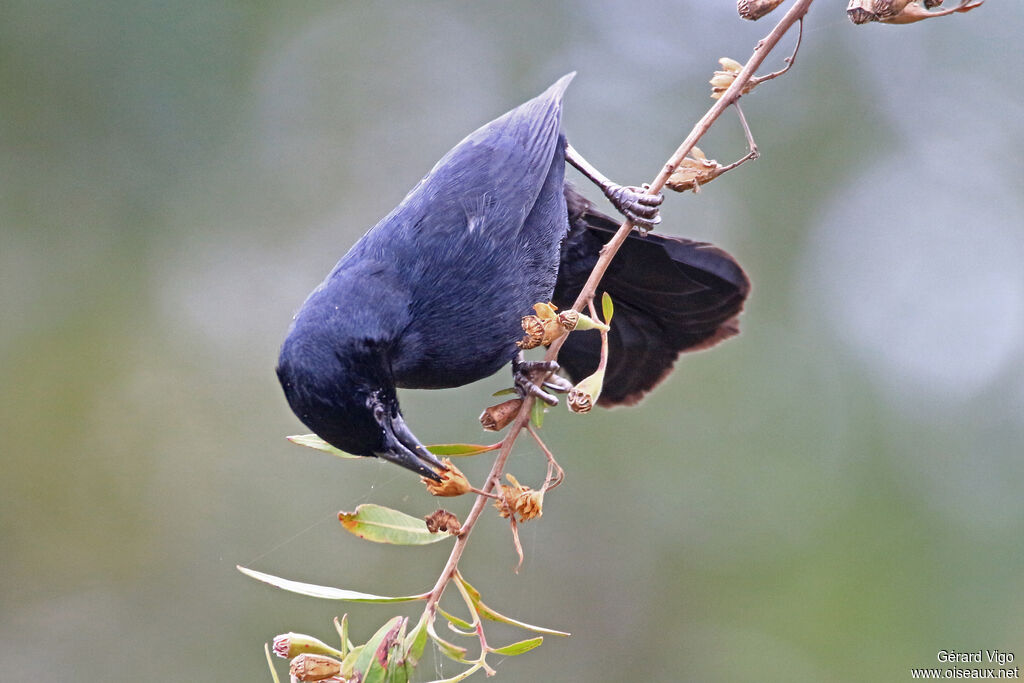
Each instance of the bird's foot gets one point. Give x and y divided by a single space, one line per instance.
531 378
636 204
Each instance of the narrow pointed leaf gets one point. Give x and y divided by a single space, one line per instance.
270 663
325 592
383 525
462 676
460 449
607 308
314 441
504 392
537 414
348 665
449 650
488 613
373 661
520 647
461 623
416 642
342 628
474 594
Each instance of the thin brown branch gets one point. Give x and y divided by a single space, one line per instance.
729 97
555 474
790 60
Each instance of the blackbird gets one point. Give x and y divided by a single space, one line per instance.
433 295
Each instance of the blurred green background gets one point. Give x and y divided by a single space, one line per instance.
836 495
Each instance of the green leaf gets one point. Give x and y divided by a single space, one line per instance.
449 650
460 449
325 592
373 662
314 441
537 414
607 308
348 665
270 663
461 623
488 613
504 392
520 647
342 628
462 676
416 642
383 525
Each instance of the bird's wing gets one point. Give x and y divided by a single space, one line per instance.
671 295
485 186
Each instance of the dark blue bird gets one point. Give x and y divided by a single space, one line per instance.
433 295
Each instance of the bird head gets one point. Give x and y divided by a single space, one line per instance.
342 389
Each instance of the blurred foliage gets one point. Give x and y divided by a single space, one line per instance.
834 495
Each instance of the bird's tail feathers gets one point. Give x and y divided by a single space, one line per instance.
671 295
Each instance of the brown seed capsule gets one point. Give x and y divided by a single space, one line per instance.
496 418
307 667
453 482
442 520
534 329
519 500
863 11
569 319
694 171
584 395
722 79
755 9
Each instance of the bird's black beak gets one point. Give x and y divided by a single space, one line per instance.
403 448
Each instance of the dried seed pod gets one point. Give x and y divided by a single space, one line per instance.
545 311
453 482
722 79
694 171
755 9
863 11
309 667
519 500
583 397
569 319
902 11
533 326
496 418
442 520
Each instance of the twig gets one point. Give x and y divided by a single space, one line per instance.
790 60
549 481
728 98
